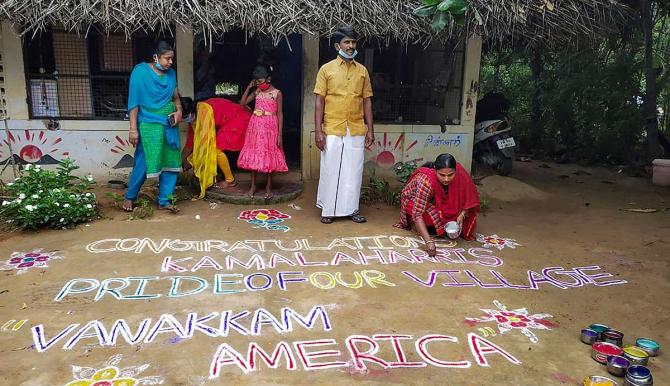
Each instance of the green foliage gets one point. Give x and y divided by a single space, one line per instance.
441 11
379 190
41 198
403 170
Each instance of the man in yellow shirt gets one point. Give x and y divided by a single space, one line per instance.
343 99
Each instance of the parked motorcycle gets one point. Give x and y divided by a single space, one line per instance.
494 144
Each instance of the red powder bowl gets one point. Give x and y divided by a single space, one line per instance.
601 350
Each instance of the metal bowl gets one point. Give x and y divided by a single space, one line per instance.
636 355
589 336
613 336
594 380
649 345
617 365
601 350
452 229
638 376
599 328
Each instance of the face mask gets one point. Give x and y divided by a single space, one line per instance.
157 64
343 54
264 86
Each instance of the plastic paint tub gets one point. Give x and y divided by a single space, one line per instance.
601 350
649 345
636 355
660 172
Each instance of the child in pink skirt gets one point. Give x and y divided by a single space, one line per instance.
262 150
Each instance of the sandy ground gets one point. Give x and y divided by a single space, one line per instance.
561 219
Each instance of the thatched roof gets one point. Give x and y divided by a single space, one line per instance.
496 20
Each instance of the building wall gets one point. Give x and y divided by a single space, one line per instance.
101 147
401 142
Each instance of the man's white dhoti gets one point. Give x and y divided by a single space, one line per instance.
341 175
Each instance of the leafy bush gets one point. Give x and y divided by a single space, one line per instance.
403 170
41 198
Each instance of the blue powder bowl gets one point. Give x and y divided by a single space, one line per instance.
649 345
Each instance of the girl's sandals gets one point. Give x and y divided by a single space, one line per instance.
327 220
174 209
268 195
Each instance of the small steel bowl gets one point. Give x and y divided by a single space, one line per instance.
636 355
601 350
599 328
598 380
638 376
589 336
452 229
649 345
617 365
613 336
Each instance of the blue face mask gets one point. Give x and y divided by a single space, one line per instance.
158 64
343 54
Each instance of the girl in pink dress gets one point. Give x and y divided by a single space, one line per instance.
262 150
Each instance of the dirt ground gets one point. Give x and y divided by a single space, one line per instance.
563 216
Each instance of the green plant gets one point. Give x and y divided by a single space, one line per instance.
441 11
379 190
41 198
403 170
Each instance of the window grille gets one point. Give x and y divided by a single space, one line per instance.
411 84
71 76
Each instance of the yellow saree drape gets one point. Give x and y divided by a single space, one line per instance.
204 147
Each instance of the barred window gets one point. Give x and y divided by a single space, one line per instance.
412 84
72 76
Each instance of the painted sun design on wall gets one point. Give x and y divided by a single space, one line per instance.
23 261
495 241
519 319
385 152
110 374
34 147
124 148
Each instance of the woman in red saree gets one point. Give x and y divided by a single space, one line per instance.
436 193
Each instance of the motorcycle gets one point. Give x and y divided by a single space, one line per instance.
494 144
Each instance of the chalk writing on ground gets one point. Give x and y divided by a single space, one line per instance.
518 319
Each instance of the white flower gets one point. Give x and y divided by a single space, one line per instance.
40 191
27 167
30 208
57 204
89 178
88 194
10 183
22 196
5 203
34 196
38 167
89 206
18 201
55 190
62 219
66 205
72 196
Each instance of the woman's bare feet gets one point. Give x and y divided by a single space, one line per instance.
251 191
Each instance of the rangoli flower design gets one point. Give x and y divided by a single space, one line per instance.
266 219
111 375
22 261
518 319
495 241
